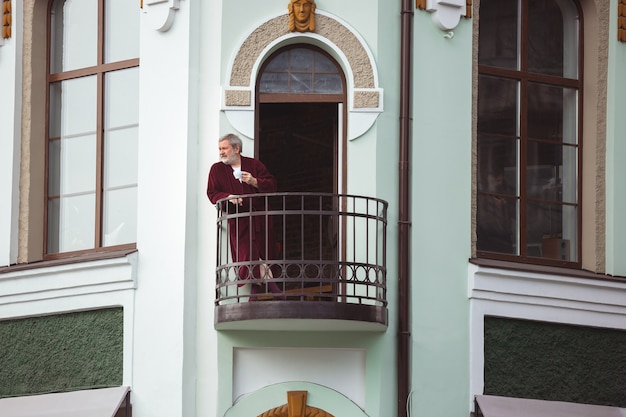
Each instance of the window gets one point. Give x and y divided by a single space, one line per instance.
301 71
528 131
92 125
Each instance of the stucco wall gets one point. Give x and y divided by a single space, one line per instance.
556 362
62 352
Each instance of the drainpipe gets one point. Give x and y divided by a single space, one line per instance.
404 219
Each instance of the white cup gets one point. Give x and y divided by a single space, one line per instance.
237 173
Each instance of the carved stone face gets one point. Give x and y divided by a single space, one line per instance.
301 15
302 10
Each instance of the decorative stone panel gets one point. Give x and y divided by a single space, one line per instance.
237 98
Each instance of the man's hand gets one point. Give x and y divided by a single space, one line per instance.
235 200
249 179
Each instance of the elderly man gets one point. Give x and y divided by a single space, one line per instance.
250 240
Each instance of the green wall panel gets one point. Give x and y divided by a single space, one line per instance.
61 352
555 362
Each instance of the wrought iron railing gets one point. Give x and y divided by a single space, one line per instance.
301 247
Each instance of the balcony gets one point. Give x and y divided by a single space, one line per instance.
318 263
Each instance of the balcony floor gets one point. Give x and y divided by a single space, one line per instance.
300 316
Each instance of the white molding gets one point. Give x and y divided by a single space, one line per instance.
541 297
65 282
75 287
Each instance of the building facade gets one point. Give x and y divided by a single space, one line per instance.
448 220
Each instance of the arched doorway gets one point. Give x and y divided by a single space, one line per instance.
299 119
300 137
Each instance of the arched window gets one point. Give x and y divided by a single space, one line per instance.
92 125
301 103
301 71
528 131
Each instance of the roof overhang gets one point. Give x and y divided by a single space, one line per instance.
103 402
494 406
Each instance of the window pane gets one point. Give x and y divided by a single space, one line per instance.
552 113
120 216
122 98
552 231
328 84
273 82
499 34
279 63
551 173
122 30
498 166
73 35
552 37
120 160
498 106
543 174
301 60
569 175
496 228
300 83
72 165
73 107
323 64
497 201
71 223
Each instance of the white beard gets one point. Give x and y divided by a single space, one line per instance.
229 160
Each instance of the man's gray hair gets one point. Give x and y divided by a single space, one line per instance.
234 140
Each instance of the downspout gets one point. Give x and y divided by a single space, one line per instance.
404 218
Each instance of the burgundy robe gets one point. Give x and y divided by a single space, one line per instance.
247 241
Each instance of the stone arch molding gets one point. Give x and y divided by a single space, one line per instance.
342 42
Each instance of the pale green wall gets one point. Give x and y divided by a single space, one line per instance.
378 367
615 151
61 352
441 209
441 217
372 171
441 184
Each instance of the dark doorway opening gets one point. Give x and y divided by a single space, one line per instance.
298 144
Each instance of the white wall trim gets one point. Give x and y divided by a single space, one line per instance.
66 281
541 297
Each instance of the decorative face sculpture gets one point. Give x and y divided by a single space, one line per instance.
301 15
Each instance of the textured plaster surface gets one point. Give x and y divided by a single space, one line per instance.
27 78
366 99
237 98
252 47
602 7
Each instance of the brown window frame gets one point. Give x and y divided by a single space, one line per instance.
99 70
524 77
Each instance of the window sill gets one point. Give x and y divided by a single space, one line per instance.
543 269
85 257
